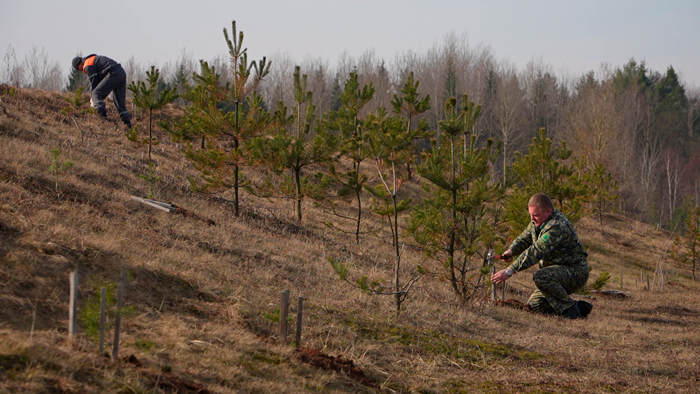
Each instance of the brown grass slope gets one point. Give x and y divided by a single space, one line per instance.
203 285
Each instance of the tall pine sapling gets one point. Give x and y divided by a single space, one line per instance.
353 145
390 141
218 157
150 98
244 82
452 226
223 115
297 145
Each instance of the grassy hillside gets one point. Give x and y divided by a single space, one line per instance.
203 288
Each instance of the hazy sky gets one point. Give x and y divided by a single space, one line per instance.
571 36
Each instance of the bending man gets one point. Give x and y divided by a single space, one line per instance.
105 76
550 241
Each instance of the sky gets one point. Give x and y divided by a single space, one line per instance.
572 37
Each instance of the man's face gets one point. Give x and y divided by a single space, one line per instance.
539 215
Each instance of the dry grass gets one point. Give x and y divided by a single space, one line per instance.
203 284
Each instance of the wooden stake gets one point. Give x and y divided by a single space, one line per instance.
284 311
300 313
73 306
103 307
661 279
118 319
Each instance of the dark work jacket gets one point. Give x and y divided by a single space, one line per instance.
97 67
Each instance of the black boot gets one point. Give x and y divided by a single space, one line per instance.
572 312
584 307
102 112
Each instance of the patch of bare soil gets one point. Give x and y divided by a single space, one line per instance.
324 361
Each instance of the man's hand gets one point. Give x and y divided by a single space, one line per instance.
507 256
500 276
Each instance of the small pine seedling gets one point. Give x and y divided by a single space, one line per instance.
57 167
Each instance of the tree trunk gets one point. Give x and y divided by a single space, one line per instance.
297 186
235 166
150 131
398 255
359 215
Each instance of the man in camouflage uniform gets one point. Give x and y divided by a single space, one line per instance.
550 241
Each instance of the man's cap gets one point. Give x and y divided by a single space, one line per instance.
76 62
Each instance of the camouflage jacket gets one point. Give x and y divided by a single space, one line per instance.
553 243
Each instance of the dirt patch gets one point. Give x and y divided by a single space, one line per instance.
324 361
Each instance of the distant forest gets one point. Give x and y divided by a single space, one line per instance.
640 124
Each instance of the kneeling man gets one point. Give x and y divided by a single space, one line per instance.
550 241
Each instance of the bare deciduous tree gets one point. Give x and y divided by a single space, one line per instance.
13 73
279 84
544 98
134 72
40 73
649 158
320 83
508 109
372 70
595 120
673 177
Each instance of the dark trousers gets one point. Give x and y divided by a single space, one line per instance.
114 81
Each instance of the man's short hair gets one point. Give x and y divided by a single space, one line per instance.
541 201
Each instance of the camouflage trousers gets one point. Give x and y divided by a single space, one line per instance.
554 284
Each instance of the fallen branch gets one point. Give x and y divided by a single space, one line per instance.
170 208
